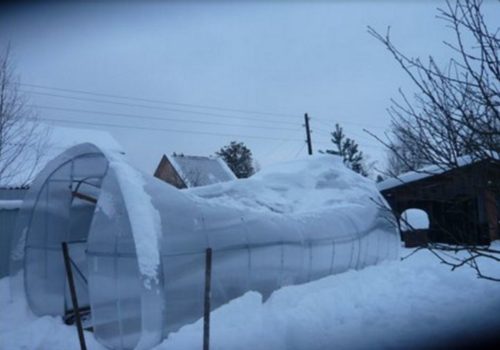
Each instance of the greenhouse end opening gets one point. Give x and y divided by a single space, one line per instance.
137 244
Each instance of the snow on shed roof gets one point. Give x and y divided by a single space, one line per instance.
59 139
201 171
426 172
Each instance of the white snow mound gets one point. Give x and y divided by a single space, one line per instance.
305 185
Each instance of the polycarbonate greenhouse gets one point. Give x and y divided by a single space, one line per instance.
138 244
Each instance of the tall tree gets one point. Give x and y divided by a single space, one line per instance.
239 159
22 140
347 149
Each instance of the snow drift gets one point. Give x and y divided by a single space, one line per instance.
139 243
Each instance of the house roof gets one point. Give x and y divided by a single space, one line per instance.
201 171
59 138
425 172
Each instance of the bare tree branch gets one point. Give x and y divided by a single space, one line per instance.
455 113
22 140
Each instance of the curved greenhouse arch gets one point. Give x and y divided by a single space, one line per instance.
138 244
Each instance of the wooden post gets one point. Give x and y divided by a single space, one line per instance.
308 135
74 299
208 294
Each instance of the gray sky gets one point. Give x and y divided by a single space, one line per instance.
279 58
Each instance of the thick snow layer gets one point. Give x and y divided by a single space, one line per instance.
295 187
145 221
394 305
21 329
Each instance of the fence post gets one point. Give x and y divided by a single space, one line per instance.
208 294
74 299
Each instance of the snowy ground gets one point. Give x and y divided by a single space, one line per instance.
394 305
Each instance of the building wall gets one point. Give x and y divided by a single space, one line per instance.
7 226
492 213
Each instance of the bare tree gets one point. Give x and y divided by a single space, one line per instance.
455 112
402 149
22 139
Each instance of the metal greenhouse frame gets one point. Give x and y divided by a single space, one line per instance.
138 244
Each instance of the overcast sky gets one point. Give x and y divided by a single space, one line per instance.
274 61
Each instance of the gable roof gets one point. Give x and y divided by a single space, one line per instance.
201 171
58 139
425 172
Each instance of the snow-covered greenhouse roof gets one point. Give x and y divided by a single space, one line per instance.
139 243
55 140
201 171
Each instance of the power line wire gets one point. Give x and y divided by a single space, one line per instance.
157 108
133 127
365 145
91 93
326 123
323 121
272 152
300 150
141 117
325 133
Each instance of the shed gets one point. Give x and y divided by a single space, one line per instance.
463 203
192 171
139 243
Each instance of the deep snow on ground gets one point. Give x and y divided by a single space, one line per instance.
20 329
394 305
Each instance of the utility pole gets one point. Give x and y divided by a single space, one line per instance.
308 135
208 296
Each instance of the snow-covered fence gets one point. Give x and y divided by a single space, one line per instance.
140 243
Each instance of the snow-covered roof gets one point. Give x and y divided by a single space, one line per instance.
59 138
201 171
425 172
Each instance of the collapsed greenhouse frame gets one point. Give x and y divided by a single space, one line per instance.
138 246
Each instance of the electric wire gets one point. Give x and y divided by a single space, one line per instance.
142 117
91 93
158 108
331 123
300 150
322 121
273 151
164 129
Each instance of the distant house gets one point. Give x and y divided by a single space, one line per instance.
192 171
463 203
13 188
